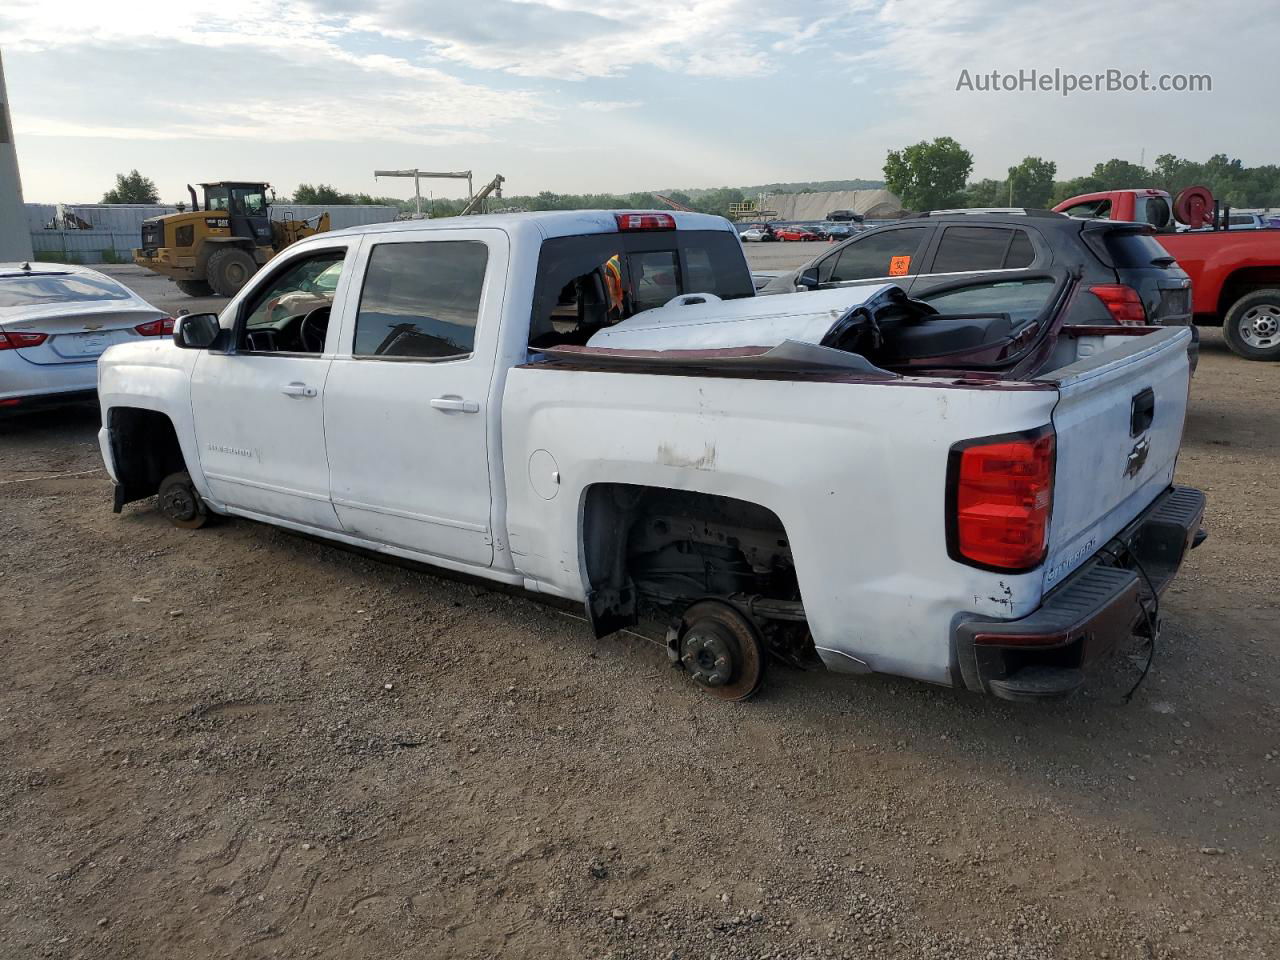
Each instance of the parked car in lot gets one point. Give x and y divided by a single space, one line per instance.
758 232
965 490
1124 269
55 321
792 232
1235 273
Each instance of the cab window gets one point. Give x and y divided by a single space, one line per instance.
421 300
291 313
1090 210
586 283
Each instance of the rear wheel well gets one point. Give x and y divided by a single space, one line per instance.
654 551
144 450
1243 282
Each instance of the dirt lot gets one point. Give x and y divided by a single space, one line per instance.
236 742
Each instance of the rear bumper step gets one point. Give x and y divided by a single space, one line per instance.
1082 621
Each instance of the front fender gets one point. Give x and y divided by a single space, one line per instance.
152 376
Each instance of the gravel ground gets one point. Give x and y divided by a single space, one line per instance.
236 742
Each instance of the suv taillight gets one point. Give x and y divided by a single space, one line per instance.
156 328
13 340
999 498
1122 302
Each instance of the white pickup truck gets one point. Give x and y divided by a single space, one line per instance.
594 406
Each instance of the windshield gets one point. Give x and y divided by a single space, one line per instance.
246 201
58 288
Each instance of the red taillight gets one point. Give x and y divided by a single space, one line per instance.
645 221
1000 494
15 340
1122 302
156 328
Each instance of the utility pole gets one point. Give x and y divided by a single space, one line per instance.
15 232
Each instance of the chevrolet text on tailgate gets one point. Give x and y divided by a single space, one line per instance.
594 406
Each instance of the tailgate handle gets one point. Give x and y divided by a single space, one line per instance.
1142 411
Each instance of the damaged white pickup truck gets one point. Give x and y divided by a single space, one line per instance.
594 406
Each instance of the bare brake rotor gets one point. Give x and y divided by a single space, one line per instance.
180 503
720 648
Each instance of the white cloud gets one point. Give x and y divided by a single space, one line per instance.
273 71
607 106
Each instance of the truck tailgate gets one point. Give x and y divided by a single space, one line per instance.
1118 421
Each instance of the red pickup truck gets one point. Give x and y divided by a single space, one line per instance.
1235 274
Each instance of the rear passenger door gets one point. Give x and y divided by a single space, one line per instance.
964 251
406 405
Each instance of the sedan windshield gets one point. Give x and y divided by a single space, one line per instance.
40 288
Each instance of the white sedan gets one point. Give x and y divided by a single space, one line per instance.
55 321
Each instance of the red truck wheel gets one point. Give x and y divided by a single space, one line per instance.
1251 326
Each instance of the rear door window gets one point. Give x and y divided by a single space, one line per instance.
889 253
421 300
1021 252
975 249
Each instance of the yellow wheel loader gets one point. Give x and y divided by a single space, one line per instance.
218 248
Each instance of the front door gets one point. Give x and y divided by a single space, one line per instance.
406 406
259 407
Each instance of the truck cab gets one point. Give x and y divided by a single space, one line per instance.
1137 206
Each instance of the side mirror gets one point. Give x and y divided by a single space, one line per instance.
196 331
808 279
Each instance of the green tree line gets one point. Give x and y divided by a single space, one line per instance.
930 175
933 175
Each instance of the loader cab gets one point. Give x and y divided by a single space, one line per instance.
246 206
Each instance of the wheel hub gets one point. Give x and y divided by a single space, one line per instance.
1261 327
707 655
179 503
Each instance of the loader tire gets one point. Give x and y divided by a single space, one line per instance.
229 270
195 288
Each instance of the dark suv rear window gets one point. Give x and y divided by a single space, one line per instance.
1134 249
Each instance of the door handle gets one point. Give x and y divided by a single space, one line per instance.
456 403
297 389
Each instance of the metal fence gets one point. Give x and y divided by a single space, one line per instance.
107 233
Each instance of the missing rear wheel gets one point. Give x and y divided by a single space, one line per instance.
721 650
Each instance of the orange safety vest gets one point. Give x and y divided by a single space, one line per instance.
613 281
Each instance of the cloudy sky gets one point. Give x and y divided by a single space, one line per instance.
585 95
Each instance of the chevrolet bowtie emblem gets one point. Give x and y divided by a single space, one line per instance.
1137 457
90 327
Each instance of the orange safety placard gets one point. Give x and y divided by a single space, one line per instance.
899 266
